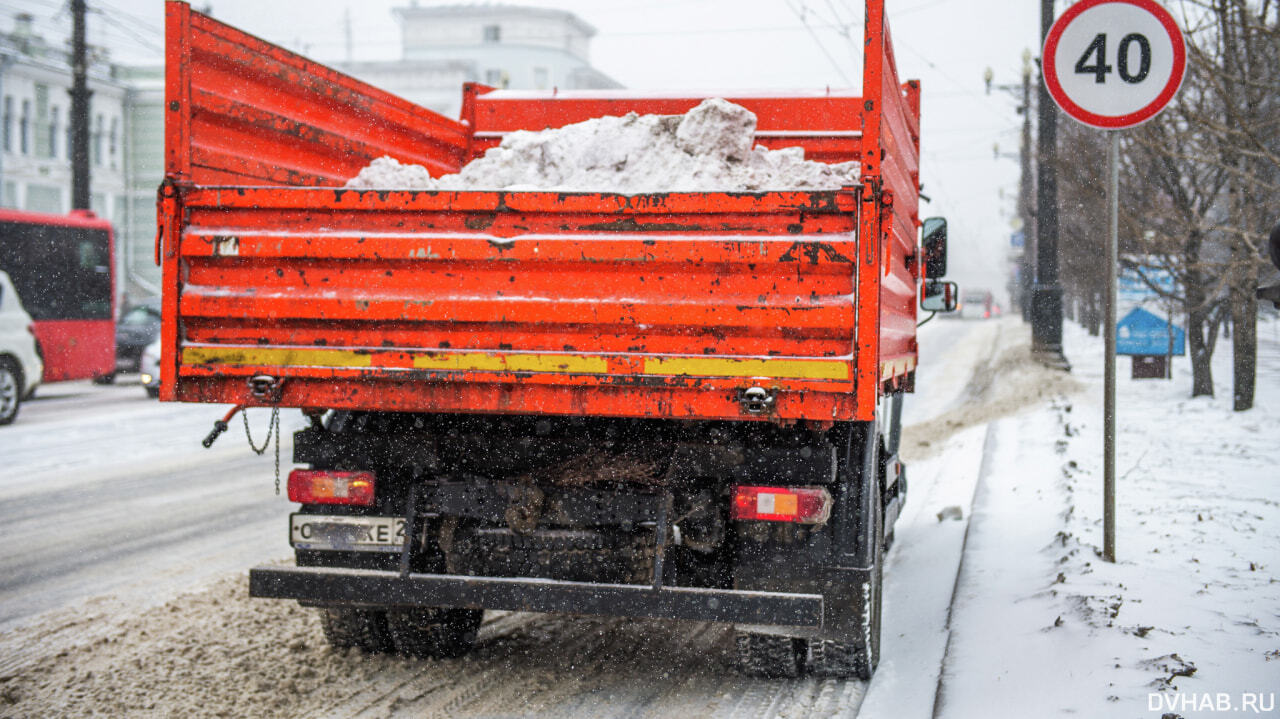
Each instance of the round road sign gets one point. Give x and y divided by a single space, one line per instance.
1114 63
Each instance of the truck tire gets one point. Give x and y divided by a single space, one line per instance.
363 629
434 632
769 656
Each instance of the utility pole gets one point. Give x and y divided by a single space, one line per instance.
1046 295
79 110
1026 193
1026 185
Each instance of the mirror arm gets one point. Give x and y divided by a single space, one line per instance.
923 321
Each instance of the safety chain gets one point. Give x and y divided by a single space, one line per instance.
275 425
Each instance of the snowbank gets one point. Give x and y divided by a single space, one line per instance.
1187 621
708 148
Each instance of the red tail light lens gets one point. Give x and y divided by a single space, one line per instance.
322 486
804 505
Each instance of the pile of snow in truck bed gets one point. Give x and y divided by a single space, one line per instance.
708 148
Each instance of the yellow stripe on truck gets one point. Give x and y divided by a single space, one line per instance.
275 357
512 363
720 367
482 362
458 361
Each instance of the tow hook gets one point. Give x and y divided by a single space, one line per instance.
265 387
756 400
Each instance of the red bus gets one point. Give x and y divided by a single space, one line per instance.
62 267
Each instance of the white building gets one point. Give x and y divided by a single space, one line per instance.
35 111
509 46
35 130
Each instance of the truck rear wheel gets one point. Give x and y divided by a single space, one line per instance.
769 656
434 632
364 629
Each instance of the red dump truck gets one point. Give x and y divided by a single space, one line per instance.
679 405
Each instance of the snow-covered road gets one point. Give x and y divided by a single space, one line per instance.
133 541
107 491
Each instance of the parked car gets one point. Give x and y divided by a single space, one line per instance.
21 366
150 369
137 328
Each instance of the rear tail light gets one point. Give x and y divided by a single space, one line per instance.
804 505
320 486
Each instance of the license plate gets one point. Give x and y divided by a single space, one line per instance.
349 534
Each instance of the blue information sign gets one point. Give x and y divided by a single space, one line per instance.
1143 333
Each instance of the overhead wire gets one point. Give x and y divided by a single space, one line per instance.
130 32
802 12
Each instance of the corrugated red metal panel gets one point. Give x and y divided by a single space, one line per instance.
548 300
243 111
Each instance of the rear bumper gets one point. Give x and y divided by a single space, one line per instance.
341 586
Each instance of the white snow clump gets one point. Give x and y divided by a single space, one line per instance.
708 148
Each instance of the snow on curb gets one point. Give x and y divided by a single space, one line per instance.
1188 619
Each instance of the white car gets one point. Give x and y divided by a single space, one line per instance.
149 366
21 367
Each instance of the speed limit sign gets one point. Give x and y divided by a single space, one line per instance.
1114 63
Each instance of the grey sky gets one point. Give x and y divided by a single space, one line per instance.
719 44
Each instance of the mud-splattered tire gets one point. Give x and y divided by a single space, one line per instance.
434 633
769 656
828 658
364 629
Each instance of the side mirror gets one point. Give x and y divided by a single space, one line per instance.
934 242
939 296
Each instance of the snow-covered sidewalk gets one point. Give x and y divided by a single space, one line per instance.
1187 622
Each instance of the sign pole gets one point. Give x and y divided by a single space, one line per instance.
1113 64
1109 362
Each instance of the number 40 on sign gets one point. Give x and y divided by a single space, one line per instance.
1114 63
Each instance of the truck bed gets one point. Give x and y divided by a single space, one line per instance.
659 305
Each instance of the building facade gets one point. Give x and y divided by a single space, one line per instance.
506 46
35 128
35 125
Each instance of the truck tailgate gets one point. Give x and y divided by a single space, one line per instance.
665 305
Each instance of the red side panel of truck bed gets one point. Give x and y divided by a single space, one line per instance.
660 305
241 111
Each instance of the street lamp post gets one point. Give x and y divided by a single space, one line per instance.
1046 294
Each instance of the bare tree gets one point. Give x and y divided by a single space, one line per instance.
1200 186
